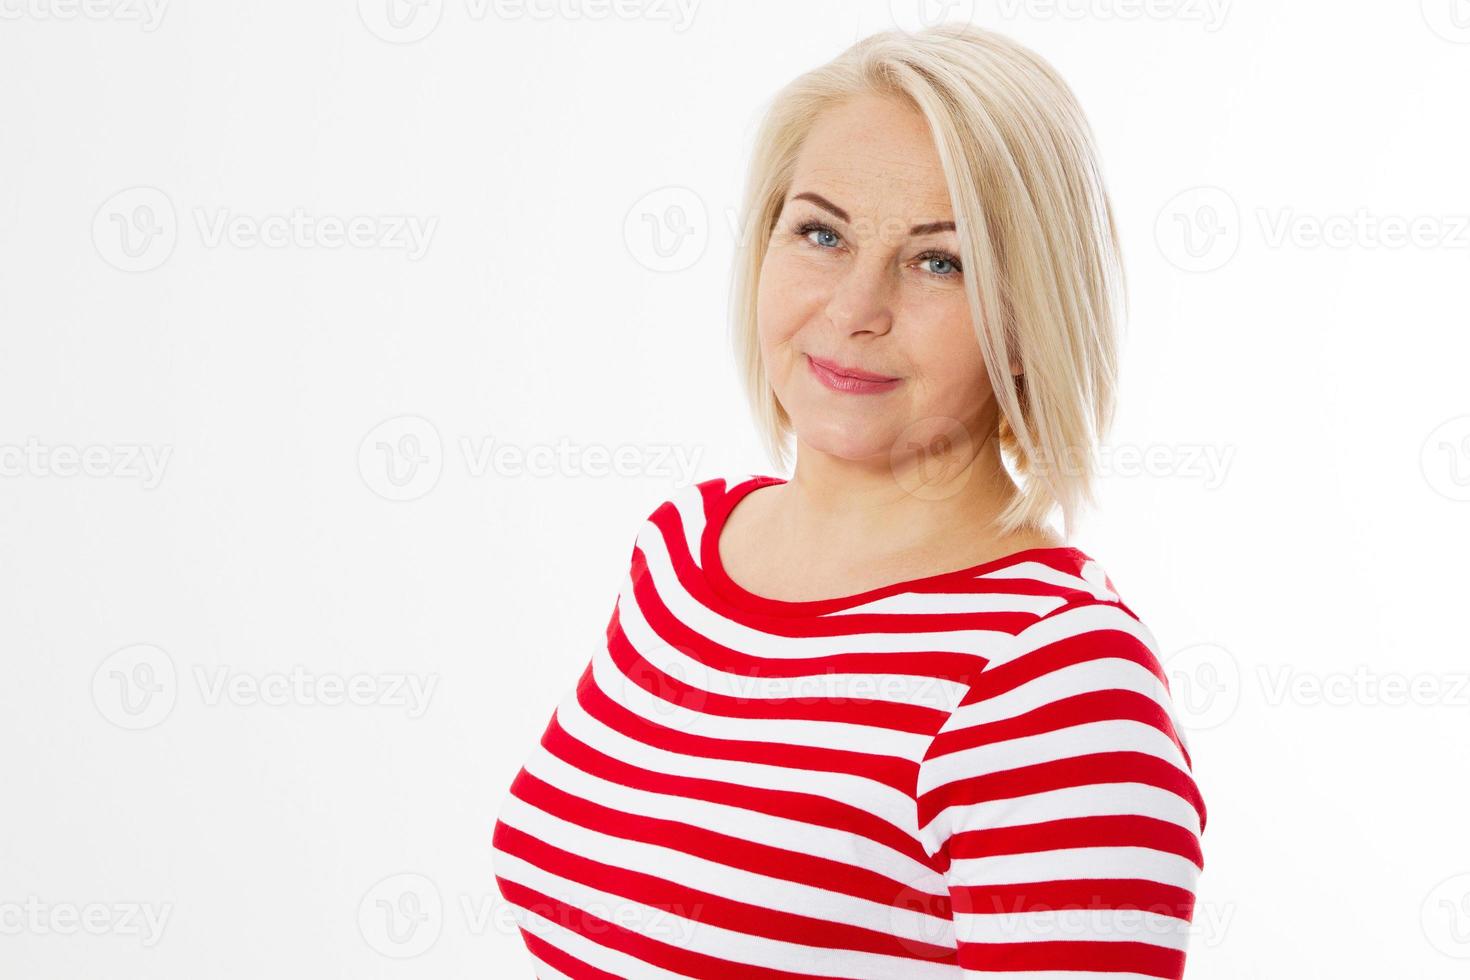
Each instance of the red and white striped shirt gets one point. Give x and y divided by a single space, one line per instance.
973 774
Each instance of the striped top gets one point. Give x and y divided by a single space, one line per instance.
972 774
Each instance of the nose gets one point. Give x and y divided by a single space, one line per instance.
862 300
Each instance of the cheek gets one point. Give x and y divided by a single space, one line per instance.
944 345
787 296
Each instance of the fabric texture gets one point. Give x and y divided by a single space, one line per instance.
976 774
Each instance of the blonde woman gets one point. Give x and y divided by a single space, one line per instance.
879 720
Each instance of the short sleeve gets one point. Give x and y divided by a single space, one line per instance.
1059 800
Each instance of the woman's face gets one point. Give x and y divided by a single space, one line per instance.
863 273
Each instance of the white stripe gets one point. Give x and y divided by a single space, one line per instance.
939 603
630 915
752 825
544 970
861 792
817 684
1035 571
1075 622
1075 925
687 718
687 931
1113 735
1102 799
1068 863
1087 677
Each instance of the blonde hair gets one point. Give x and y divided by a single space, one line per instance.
1034 224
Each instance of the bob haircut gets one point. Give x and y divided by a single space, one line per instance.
1034 224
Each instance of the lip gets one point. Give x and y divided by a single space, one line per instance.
849 380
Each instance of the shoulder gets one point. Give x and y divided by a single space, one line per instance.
1091 623
687 508
1090 641
701 495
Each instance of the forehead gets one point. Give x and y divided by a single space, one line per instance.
874 155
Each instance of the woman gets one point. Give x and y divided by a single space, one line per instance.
878 720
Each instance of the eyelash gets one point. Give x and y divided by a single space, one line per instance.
805 228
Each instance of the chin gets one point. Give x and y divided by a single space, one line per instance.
845 438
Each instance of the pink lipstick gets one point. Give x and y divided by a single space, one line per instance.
849 379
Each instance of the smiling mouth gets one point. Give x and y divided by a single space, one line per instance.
850 380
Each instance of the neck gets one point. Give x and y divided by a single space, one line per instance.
896 503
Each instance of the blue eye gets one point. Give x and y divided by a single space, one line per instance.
951 265
806 230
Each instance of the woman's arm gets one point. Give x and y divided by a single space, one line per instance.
1060 802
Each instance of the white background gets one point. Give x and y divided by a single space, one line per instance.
1297 371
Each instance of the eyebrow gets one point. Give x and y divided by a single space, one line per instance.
826 205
